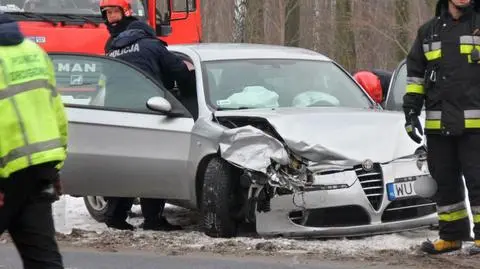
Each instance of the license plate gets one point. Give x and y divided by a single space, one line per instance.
400 190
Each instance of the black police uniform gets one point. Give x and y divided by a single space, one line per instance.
443 72
138 44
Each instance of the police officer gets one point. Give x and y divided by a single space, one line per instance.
120 15
443 68
33 139
136 42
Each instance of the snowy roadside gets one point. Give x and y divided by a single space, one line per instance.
76 228
79 226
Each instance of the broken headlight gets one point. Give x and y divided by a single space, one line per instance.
292 175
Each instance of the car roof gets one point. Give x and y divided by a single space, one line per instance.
232 51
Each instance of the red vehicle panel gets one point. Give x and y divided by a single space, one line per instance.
77 25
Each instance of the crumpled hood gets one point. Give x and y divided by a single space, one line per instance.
9 31
136 30
338 136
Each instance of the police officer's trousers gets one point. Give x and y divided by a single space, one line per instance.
27 215
119 206
450 157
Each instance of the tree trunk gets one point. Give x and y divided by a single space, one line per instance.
254 21
239 14
432 4
402 20
292 23
345 53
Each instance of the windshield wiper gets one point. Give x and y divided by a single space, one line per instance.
85 18
234 108
55 19
19 16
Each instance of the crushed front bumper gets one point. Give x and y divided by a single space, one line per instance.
357 206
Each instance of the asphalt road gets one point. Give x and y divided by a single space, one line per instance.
89 259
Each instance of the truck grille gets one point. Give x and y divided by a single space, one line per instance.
372 184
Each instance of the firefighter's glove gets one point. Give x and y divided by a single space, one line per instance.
412 125
2 197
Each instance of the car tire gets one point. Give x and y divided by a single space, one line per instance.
218 196
97 206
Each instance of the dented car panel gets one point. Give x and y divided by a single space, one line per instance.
320 133
341 185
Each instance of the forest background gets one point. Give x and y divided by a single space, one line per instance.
358 34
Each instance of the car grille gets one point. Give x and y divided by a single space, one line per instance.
342 216
408 209
372 184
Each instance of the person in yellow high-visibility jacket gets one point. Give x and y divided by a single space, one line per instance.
33 147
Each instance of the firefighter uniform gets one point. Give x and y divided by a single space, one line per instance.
443 73
33 139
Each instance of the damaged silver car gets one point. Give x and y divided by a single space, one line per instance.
279 137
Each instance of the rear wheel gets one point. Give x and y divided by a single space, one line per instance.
220 199
97 206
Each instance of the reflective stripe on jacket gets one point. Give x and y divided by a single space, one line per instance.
33 124
452 92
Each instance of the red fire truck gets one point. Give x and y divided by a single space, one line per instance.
77 25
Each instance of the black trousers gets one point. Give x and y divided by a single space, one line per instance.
448 159
118 208
27 215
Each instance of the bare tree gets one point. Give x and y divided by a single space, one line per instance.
240 12
345 52
254 29
217 19
356 33
292 23
431 4
402 12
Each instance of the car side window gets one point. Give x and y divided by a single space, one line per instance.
103 83
397 89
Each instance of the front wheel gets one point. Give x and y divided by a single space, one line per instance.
219 199
97 206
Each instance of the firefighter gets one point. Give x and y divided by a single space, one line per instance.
149 54
442 73
33 142
371 83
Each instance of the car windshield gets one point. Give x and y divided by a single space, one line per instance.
71 7
270 83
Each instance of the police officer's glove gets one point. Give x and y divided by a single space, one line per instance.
413 123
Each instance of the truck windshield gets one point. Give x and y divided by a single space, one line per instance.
68 7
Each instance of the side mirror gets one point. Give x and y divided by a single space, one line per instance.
159 104
164 30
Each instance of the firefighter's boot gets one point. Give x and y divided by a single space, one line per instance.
475 249
440 246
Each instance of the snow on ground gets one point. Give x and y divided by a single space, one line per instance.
89 232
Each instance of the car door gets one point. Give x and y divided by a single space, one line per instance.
396 90
117 146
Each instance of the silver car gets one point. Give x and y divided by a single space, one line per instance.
279 137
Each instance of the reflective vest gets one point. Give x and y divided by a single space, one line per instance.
33 124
